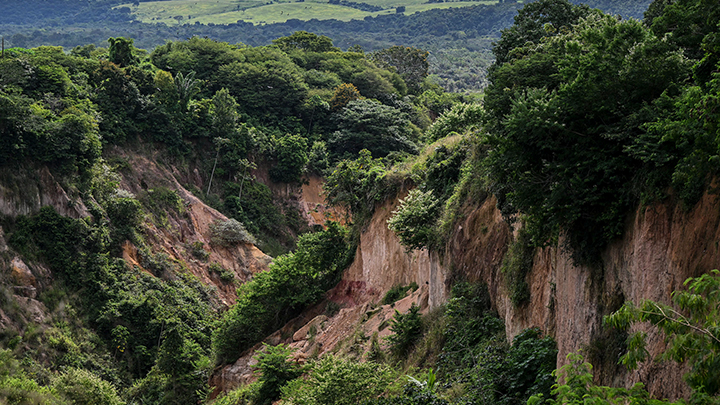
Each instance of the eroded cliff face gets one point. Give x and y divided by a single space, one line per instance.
663 245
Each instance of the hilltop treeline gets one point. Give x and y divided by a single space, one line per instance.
448 33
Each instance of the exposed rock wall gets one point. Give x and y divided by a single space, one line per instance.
381 262
663 245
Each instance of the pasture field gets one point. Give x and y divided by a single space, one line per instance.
176 12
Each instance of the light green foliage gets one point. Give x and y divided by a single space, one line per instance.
691 327
275 369
16 388
575 386
336 381
241 396
187 88
273 297
357 185
224 113
413 221
230 232
83 388
459 119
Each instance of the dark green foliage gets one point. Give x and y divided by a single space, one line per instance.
58 240
398 292
407 329
275 369
527 369
306 41
131 309
291 157
121 51
517 264
559 138
470 322
367 124
536 20
411 63
225 275
412 395
443 169
160 201
273 297
125 214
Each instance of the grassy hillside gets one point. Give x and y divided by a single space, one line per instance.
176 12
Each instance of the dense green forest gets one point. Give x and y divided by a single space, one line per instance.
459 39
585 116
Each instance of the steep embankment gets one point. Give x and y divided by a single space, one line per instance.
662 246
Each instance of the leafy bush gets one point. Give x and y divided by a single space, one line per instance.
460 119
575 385
407 329
291 156
558 146
225 275
275 369
230 232
335 381
398 292
274 296
357 185
368 124
516 265
692 334
84 388
413 221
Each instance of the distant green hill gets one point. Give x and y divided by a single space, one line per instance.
176 12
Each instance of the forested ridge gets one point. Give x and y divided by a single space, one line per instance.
585 117
459 39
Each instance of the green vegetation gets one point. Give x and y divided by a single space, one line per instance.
691 329
398 292
275 296
585 117
406 330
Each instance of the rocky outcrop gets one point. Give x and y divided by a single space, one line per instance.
381 262
24 190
